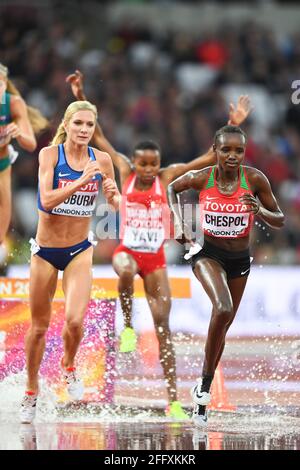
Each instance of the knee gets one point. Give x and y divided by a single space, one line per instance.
39 331
125 271
74 326
126 274
224 312
124 267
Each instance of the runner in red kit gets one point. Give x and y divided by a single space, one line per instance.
228 202
145 216
143 231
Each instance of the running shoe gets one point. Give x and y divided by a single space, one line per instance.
199 417
75 385
200 398
128 340
174 410
28 407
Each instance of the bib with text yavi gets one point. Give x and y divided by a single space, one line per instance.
143 214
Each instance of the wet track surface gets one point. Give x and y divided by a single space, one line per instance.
262 382
239 432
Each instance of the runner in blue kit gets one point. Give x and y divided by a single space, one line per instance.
70 175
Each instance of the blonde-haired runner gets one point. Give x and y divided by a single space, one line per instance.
70 175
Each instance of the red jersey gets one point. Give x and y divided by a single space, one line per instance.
145 216
224 216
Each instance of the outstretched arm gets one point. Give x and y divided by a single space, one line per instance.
237 115
121 162
267 208
176 170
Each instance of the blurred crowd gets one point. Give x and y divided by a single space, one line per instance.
172 87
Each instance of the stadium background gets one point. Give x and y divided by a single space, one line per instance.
165 70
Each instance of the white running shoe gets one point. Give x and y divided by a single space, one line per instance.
200 420
75 385
200 398
28 408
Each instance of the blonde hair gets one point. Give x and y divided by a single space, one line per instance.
36 119
3 70
61 135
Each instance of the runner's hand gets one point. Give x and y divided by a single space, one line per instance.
13 130
5 138
76 81
109 187
91 169
239 114
251 202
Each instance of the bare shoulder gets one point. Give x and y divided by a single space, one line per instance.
193 179
17 103
49 153
17 100
204 171
198 178
99 154
194 174
255 175
102 157
200 174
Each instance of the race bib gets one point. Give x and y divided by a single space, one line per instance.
225 225
144 230
80 204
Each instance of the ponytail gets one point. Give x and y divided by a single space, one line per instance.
37 120
10 88
60 135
